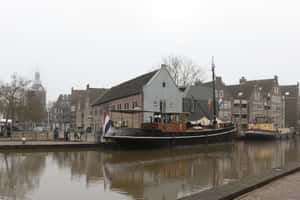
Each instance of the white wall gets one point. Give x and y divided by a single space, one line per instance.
154 92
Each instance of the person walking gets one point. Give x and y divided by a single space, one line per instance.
55 134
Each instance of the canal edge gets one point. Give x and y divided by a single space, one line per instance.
237 189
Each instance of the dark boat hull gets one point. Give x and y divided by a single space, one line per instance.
265 135
137 138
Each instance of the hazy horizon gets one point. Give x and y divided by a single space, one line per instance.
75 43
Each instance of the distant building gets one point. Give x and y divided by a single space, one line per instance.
75 98
38 89
249 101
224 99
155 91
61 116
81 114
36 98
292 104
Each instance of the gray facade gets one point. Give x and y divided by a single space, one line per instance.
161 94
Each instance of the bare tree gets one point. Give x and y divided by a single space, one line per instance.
12 95
183 70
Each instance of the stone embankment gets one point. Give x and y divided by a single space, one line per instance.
276 184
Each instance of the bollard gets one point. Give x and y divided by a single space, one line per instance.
23 140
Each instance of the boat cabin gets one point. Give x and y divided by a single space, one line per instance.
167 122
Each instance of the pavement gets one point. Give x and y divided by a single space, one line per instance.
286 188
42 143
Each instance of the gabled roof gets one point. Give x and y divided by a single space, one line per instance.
76 96
198 92
247 87
244 89
126 89
290 90
265 84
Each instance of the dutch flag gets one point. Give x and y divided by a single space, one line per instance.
220 103
107 123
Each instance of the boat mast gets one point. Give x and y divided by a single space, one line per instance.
214 94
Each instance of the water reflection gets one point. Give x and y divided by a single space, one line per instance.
156 174
20 173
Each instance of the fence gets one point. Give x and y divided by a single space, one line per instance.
30 136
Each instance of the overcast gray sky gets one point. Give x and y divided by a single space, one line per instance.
103 43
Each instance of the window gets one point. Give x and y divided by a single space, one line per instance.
162 106
221 93
226 114
119 107
113 107
221 114
134 105
126 106
235 115
164 84
227 105
236 105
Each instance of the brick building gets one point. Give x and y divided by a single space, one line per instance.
292 104
81 110
225 94
250 100
154 91
60 112
76 96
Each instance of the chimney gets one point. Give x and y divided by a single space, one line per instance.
276 78
243 80
88 86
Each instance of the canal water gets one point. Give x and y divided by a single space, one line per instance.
163 174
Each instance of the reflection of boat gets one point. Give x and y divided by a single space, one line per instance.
168 129
168 173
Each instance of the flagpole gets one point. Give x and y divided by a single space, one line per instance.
214 94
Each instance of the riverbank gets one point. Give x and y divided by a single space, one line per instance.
240 190
284 188
33 145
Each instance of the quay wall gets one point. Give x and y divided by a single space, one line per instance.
239 188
